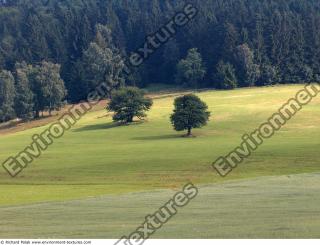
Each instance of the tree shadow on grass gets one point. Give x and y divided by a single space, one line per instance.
159 137
105 126
98 127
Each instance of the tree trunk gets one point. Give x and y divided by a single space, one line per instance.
130 120
37 114
189 131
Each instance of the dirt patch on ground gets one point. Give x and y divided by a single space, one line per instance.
17 125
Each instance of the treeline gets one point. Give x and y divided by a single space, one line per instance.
231 43
30 90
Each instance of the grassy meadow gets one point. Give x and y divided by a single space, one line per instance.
108 175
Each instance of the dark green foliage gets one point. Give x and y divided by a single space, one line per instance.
50 90
102 62
225 76
190 71
134 78
7 95
266 41
269 75
306 74
37 88
24 100
170 59
248 71
127 103
189 112
46 85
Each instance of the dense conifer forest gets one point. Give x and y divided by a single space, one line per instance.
230 43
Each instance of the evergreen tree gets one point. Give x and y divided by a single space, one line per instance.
34 33
170 56
248 71
226 77
230 37
269 75
306 74
7 95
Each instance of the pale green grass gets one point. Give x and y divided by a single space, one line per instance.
96 158
265 207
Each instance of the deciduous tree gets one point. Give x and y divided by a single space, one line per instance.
189 112
103 62
191 71
127 103
24 100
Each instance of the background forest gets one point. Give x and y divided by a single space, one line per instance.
235 43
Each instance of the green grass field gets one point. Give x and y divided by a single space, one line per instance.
99 180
